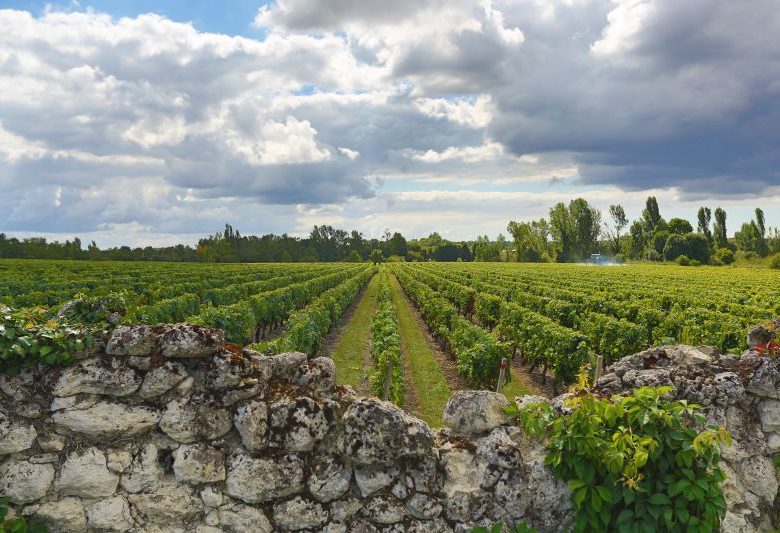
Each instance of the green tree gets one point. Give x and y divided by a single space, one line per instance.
619 221
719 229
530 239
376 256
651 215
679 226
704 218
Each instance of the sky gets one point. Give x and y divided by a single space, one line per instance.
153 123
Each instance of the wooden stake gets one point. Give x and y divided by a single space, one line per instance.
388 379
501 370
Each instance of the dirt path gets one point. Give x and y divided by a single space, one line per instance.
349 344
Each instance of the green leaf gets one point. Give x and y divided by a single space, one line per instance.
659 499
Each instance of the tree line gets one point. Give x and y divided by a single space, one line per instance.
577 231
572 232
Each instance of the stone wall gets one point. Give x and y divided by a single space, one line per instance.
167 428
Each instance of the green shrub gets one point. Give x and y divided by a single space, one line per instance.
683 261
774 261
18 524
695 263
723 256
634 462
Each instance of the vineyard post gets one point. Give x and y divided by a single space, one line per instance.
501 370
388 379
599 367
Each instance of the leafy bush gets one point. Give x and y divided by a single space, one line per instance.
683 260
30 336
635 462
695 263
774 262
723 256
694 245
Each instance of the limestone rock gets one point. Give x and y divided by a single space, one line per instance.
471 412
769 414
15 436
298 424
112 514
162 379
189 420
423 507
379 432
24 482
284 365
373 478
198 463
385 509
240 518
233 371
137 340
262 480
145 471
98 375
499 448
424 472
329 478
118 460
86 475
211 497
51 442
650 377
186 340
463 471
170 505
106 420
758 476
251 421
298 513
318 374
63 516
343 510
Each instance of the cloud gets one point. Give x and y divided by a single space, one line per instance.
149 126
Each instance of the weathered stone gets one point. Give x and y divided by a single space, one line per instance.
758 475
189 420
765 380
186 340
284 365
729 387
318 374
498 447
240 518
463 471
139 362
51 442
170 505
651 377
107 420
236 371
379 432
385 509
471 412
20 386
423 507
28 410
198 463
759 335
297 514
372 478
298 424
112 514
63 516
424 472
86 475
211 497
262 480
99 375
329 478
769 414
118 460
251 421
138 340
24 482
145 471
162 379
15 436
44 458
343 510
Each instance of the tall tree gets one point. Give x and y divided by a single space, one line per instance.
761 226
619 221
651 214
562 230
719 229
587 227
704 218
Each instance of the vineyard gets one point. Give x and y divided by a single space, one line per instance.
551 318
